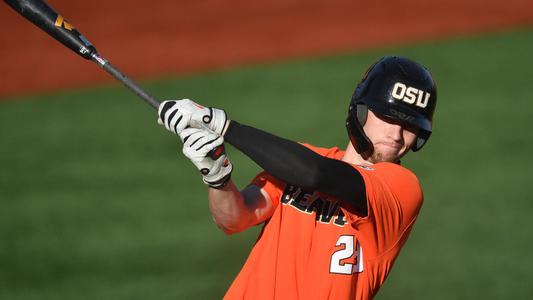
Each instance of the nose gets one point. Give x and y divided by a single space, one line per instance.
395 132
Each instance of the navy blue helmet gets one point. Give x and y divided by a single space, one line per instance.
397 88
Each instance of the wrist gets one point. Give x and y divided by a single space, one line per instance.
219 184
231 124
220 175
226 127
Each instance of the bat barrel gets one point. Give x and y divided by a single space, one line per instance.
44 17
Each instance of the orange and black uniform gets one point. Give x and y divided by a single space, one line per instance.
314 247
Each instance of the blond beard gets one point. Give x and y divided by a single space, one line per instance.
377 157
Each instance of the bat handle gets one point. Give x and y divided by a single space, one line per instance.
134 87
151 100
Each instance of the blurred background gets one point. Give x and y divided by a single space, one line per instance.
98 203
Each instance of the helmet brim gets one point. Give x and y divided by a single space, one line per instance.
402 114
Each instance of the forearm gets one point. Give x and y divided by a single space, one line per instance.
234 211
285 159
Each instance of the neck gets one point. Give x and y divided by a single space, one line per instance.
352 157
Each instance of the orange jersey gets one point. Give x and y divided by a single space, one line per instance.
312 248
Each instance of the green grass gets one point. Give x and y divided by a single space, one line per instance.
98 203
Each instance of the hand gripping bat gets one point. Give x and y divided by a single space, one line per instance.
42 15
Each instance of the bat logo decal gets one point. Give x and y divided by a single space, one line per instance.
61 23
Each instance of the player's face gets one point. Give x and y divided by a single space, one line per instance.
391 139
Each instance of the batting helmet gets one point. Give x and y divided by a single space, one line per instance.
397 88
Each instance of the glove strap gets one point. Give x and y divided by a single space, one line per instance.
219 184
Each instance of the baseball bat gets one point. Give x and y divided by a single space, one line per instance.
43 16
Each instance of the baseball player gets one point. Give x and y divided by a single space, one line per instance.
334 221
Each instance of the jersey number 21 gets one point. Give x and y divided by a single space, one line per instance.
348 259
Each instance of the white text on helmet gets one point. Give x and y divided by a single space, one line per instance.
410 95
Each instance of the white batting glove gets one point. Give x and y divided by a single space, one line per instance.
197 146
176 115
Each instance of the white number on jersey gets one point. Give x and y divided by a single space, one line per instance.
343 261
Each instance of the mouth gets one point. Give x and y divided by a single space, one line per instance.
393 145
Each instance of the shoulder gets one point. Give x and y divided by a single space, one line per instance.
399 177
389 180
390 173
394 200
396 173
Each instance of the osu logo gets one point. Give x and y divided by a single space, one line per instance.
410 95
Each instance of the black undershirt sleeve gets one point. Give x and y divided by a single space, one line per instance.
297 165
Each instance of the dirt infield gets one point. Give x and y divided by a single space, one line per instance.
152 38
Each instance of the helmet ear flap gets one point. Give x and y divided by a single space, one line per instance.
362 113
420 140
357 114
418 144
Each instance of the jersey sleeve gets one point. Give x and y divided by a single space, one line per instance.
394 198
272 186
